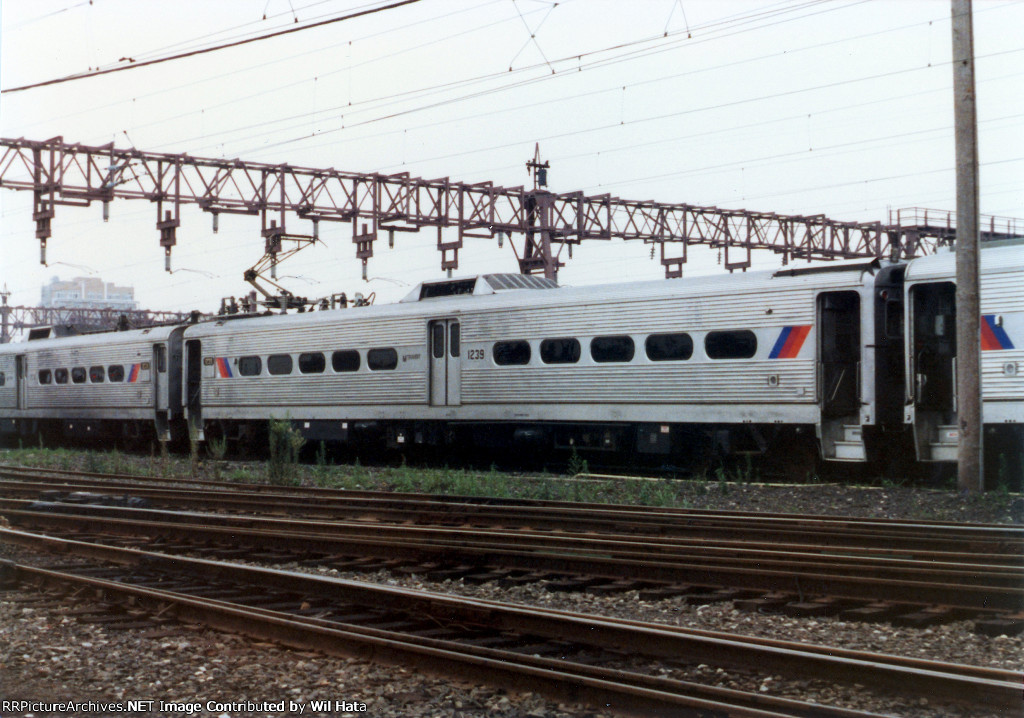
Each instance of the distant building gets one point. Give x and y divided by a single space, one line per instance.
87 293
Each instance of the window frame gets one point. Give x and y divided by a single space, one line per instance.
79 375
573 357
115 370
609 352
502 349
374 355
338 355
250 365
45 377
93 373
277 362
319 360
675 336
721 335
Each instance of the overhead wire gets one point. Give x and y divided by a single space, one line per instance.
354 106
501 88
202 51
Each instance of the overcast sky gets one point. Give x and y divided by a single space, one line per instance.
840 108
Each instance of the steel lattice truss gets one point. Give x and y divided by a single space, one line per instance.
83 319
543 222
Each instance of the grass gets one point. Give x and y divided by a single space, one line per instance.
286 470
718 488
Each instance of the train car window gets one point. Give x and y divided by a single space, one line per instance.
115 373
161 357
455 335
560 351
279 364
511 353
45 376
737 344
250 366
96 374
60 376
437 340
78 375
382 359
312 363
3 378
347 360
611 349
669 347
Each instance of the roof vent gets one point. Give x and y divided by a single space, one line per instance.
484 284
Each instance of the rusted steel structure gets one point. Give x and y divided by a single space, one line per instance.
543 222
20 318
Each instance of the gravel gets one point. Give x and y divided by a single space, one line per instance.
48 655
51 656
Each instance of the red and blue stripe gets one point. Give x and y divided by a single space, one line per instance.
790 341
993 336
223 368
133 374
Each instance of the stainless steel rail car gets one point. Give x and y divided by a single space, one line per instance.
113 384
739 363
931 366
851 360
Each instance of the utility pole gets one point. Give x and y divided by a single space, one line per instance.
5 317
968 302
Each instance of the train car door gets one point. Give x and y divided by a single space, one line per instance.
839 344
933 345
193 387
21 381
445 366
160 384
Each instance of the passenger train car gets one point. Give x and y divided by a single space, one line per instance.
852 361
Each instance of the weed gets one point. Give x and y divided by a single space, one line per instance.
92 462
577 464
217 448
285 443
723 485
193 456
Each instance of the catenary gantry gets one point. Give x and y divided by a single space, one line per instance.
543 223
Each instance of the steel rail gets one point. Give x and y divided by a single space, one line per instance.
879 532
897 546
1006 568
795 577
977 686
320 493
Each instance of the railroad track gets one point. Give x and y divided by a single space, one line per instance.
800 579
567 656
905 536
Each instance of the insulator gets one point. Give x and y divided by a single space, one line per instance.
273 266
42 251
449 272
167 259
316 229
106 211
501 239
216 222
364 270
391 239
